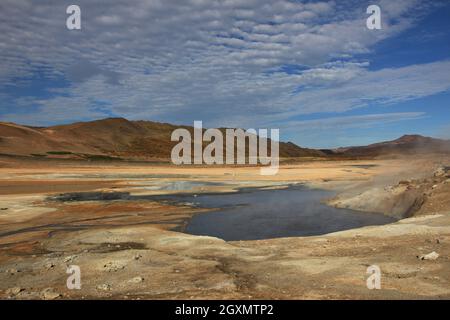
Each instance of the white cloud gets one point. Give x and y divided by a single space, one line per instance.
203 59
384 86
360 121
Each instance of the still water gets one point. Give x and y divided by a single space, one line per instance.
262 214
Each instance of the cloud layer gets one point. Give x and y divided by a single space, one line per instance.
245 63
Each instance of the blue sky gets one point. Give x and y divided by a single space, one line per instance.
310 68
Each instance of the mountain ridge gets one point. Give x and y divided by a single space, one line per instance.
110 137
406 144
119 138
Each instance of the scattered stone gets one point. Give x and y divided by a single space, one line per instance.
434 186
70 258
49 294
431 256
440 172
136 280
104 287
137 256
14 291
114 266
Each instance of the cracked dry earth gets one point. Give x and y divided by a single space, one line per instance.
128 249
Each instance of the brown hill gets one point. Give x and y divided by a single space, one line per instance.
405 145
147 140
103 139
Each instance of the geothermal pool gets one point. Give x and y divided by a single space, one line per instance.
253 214
250 213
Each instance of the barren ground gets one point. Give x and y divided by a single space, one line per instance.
126 249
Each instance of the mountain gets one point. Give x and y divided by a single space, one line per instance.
115 138
405 145
105 139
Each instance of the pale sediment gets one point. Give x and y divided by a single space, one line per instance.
125 247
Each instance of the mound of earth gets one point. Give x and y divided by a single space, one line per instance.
405 199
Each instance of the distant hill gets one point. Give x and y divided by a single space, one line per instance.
405 145
115 138
105 139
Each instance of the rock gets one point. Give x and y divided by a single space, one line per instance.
14 291
136 280
137 256
3 208
431 256
49 294
104 287
440 172
114 266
